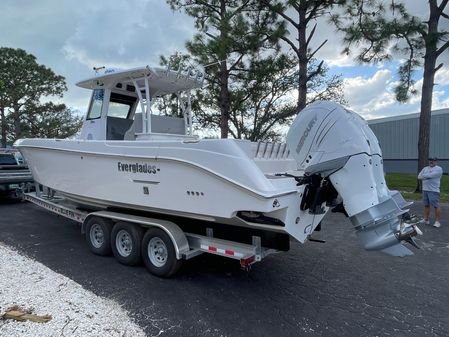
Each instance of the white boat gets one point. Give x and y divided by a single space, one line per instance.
129 158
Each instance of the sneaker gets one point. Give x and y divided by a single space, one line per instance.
425 221
437 224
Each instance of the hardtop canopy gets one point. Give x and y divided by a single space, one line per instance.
161 81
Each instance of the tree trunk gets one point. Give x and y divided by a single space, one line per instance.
430 59
224 76
17 125
3 126
425 116
224 100
302 57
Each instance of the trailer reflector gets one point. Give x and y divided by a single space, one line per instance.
222 251
229 252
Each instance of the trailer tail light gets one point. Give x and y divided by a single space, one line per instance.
247 261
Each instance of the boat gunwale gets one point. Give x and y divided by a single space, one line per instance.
239 185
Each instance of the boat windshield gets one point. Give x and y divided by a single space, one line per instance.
96 104
120 106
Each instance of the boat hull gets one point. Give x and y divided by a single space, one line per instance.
154 178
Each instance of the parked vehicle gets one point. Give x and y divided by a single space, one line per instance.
15 175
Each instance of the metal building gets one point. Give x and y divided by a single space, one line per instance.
398 138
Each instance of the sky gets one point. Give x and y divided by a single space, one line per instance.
73 36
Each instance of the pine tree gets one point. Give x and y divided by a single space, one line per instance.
231 35
296 16
384 30
24 84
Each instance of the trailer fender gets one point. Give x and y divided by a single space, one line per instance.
175 233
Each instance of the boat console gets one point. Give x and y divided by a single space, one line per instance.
122 102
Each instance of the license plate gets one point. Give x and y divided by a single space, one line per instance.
11 186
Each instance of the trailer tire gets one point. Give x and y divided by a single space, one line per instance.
126 239
158 253
98 235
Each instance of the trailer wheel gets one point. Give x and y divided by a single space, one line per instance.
158 253
126 239
98 235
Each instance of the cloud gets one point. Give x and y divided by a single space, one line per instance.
373 97
442 76
440 100
331 52
126 34
359 90
121 34
73 36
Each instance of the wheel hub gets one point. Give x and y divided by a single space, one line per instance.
157 252
96 236
124 243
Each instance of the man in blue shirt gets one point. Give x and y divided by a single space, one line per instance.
430 177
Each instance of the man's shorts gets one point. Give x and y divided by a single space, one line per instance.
431 198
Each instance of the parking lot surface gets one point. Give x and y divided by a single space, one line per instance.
331 289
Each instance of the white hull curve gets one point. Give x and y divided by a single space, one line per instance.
211 180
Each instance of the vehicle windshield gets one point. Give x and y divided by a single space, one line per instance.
7 159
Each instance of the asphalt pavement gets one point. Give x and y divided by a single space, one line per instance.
331 289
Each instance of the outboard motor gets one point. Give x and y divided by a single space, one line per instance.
336 144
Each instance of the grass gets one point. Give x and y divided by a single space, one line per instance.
406 184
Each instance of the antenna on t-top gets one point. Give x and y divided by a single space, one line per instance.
96 69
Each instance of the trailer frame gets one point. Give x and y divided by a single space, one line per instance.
186 245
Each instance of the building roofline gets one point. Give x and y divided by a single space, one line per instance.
407 116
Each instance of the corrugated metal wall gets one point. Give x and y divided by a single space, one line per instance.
398 138
439 138
410 165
